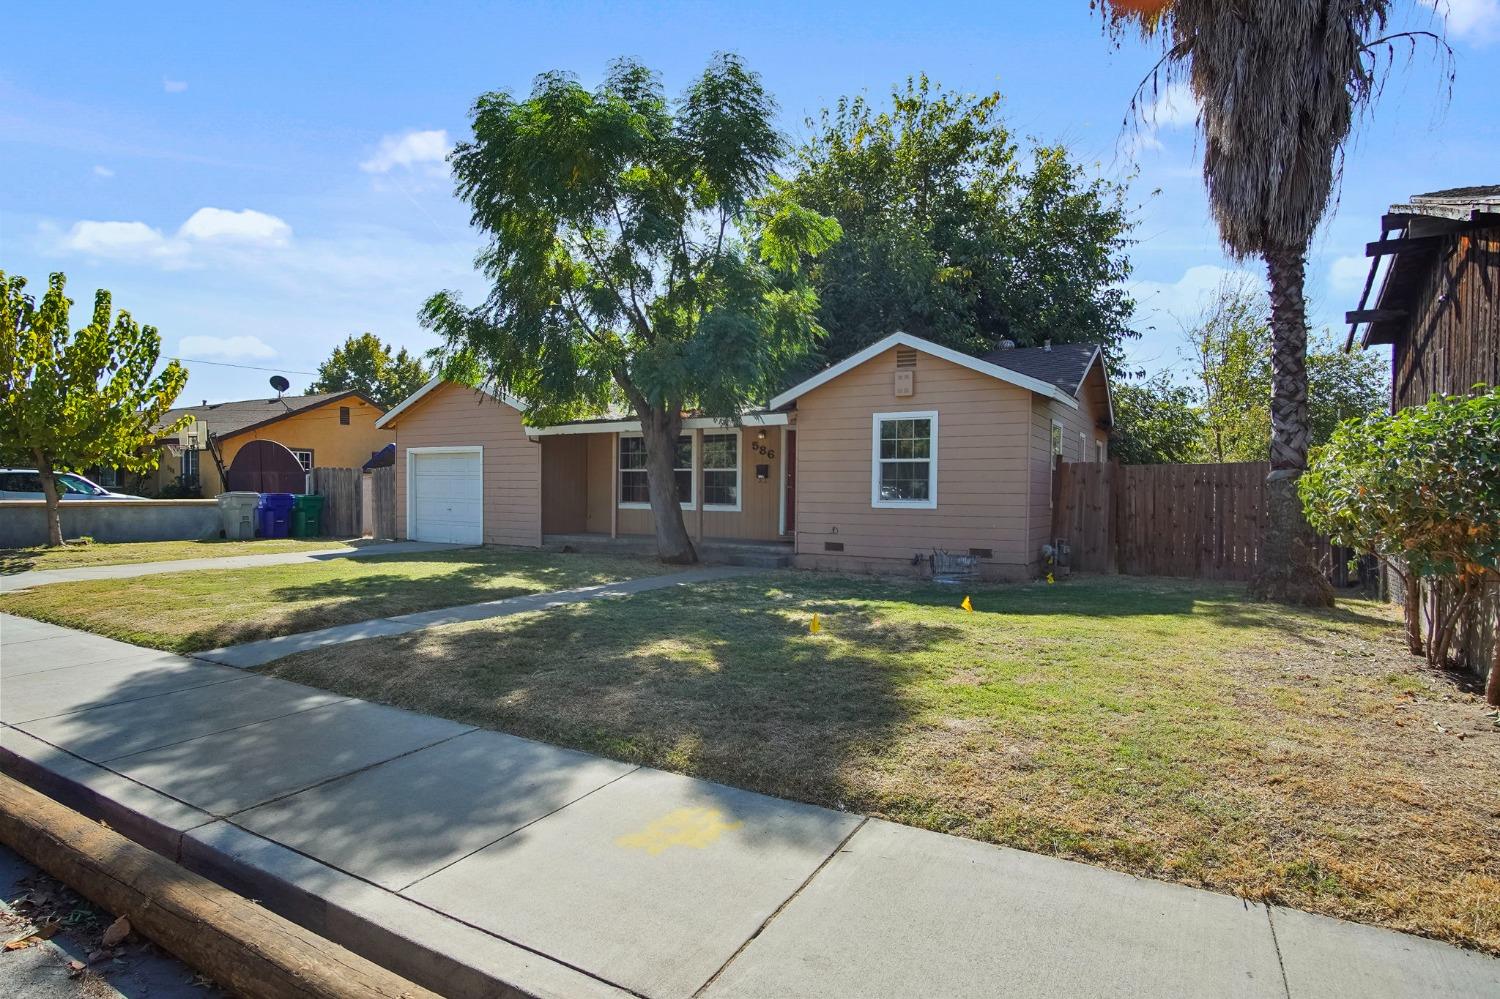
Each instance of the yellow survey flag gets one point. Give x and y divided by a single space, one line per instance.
816 626
1050 580
966 605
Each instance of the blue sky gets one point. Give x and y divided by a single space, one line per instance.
259 181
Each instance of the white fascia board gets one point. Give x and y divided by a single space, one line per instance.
927 347
504 397
1109 395
634 426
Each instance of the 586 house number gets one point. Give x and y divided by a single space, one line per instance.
759 448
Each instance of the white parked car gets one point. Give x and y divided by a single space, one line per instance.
26 484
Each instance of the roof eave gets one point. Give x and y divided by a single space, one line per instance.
900 339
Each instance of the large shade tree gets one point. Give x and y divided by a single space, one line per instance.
1279 85
368 366
71 400
955 232
640 257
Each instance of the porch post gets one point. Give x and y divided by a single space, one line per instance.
614 485
698 484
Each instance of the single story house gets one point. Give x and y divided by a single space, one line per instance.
869 465
324 430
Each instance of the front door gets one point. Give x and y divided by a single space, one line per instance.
789 463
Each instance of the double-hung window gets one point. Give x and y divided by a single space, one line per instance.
904 460
634 493
721 470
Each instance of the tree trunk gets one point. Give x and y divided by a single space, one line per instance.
1289 571
1492 686
661 430
49 492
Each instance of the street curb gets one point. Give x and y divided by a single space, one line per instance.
419 944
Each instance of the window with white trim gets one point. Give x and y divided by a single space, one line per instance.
721 470
305 457
634 492
904 460
189 464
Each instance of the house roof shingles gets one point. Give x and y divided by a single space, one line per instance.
1063 364
226 418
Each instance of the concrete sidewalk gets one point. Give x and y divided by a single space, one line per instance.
45 577
259 653
459 856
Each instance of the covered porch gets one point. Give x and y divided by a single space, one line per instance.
727 551
735 486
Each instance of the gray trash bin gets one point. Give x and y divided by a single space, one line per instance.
237 515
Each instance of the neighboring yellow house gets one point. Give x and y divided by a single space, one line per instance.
326 430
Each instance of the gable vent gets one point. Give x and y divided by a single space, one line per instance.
906 357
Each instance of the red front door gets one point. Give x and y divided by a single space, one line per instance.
789 457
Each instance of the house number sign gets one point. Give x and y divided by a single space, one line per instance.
759 448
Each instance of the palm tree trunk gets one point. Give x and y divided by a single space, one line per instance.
1289 571
661 430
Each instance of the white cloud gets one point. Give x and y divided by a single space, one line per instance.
241 348
1347 274
410 150
108 239
206 232
1477 21
248 226
173 86
103 171
1174 108
1184 298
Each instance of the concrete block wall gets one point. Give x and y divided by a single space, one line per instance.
23 523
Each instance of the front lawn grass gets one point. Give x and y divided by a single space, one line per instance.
1168 729
194 610
76 554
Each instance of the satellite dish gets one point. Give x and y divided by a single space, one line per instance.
280 384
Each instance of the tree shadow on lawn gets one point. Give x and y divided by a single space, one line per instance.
686 681
312 606
1222 603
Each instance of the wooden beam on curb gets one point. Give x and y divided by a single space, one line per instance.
237 943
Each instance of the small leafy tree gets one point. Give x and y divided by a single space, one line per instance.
955 233
639 255
1419 489
366 365
72 400
1156 422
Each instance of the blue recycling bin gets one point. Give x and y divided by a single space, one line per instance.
273 514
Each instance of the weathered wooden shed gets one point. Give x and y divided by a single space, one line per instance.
1435 280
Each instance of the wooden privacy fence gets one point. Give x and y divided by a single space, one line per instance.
1201 521
340 489
382 483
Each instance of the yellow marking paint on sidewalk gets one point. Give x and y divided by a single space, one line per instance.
695 827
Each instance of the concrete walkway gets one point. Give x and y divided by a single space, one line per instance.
458 856
45 577
259 653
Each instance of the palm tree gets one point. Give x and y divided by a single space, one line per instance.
1280 84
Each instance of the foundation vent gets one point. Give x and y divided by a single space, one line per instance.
833 546
906 357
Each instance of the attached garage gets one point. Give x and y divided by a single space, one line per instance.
466 471
446 494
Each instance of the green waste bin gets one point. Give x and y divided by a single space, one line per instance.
307 515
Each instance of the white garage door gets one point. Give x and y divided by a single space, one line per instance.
447 496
